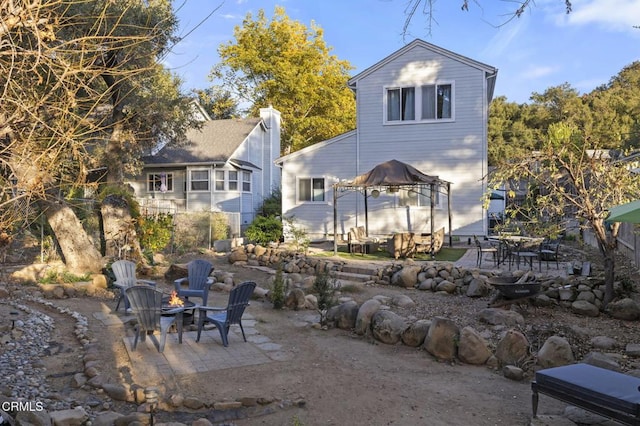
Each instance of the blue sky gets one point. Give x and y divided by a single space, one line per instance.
545 47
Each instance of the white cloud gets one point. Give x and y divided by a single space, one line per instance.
618 15
537 71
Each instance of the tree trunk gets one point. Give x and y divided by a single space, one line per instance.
121 240
607 245
609 276
80 255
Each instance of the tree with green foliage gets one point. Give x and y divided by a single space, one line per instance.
218 102
288 65
616 109
81 88
570 177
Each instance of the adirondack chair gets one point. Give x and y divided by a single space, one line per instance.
125 273
146 304
226 317
198 279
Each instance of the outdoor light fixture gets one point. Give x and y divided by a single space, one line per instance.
151 398
375 193
394 188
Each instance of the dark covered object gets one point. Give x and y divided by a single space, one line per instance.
605 392
394 172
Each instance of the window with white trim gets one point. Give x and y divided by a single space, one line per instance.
160 182
199 180
436 102
246 181
401 104
430 102
311 190
233 180
219 180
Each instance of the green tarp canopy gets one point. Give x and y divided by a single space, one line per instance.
629 213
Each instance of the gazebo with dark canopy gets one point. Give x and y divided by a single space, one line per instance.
390 176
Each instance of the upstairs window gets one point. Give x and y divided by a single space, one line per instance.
430 102
401 104
310 190
436 102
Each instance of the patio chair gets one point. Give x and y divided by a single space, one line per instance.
548 252
198 279
483 250
232 314
146 305
125 274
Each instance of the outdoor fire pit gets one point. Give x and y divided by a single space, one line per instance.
173 301
513 288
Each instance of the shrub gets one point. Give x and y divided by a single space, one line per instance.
55 277
264 230
278 290
155 231
272 206
325 287
299 235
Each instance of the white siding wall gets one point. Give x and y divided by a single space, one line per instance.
454 151
334 161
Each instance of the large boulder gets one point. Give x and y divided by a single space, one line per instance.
344 315
365 313
295 299
583 307
387 327
555 352
478 288
415 334
473 348
513 348
624 309
441 338
406 277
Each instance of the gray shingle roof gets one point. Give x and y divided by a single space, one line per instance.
215 142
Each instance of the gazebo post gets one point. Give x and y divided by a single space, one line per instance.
366 213
432 200
449 212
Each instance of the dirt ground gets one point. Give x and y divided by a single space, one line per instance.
347 379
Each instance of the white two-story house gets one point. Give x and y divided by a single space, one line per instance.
225 166
422 105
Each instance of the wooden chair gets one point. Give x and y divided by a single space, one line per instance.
125 274
226 317
146 305
484 250
198 280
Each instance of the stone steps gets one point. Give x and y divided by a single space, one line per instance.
356 274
